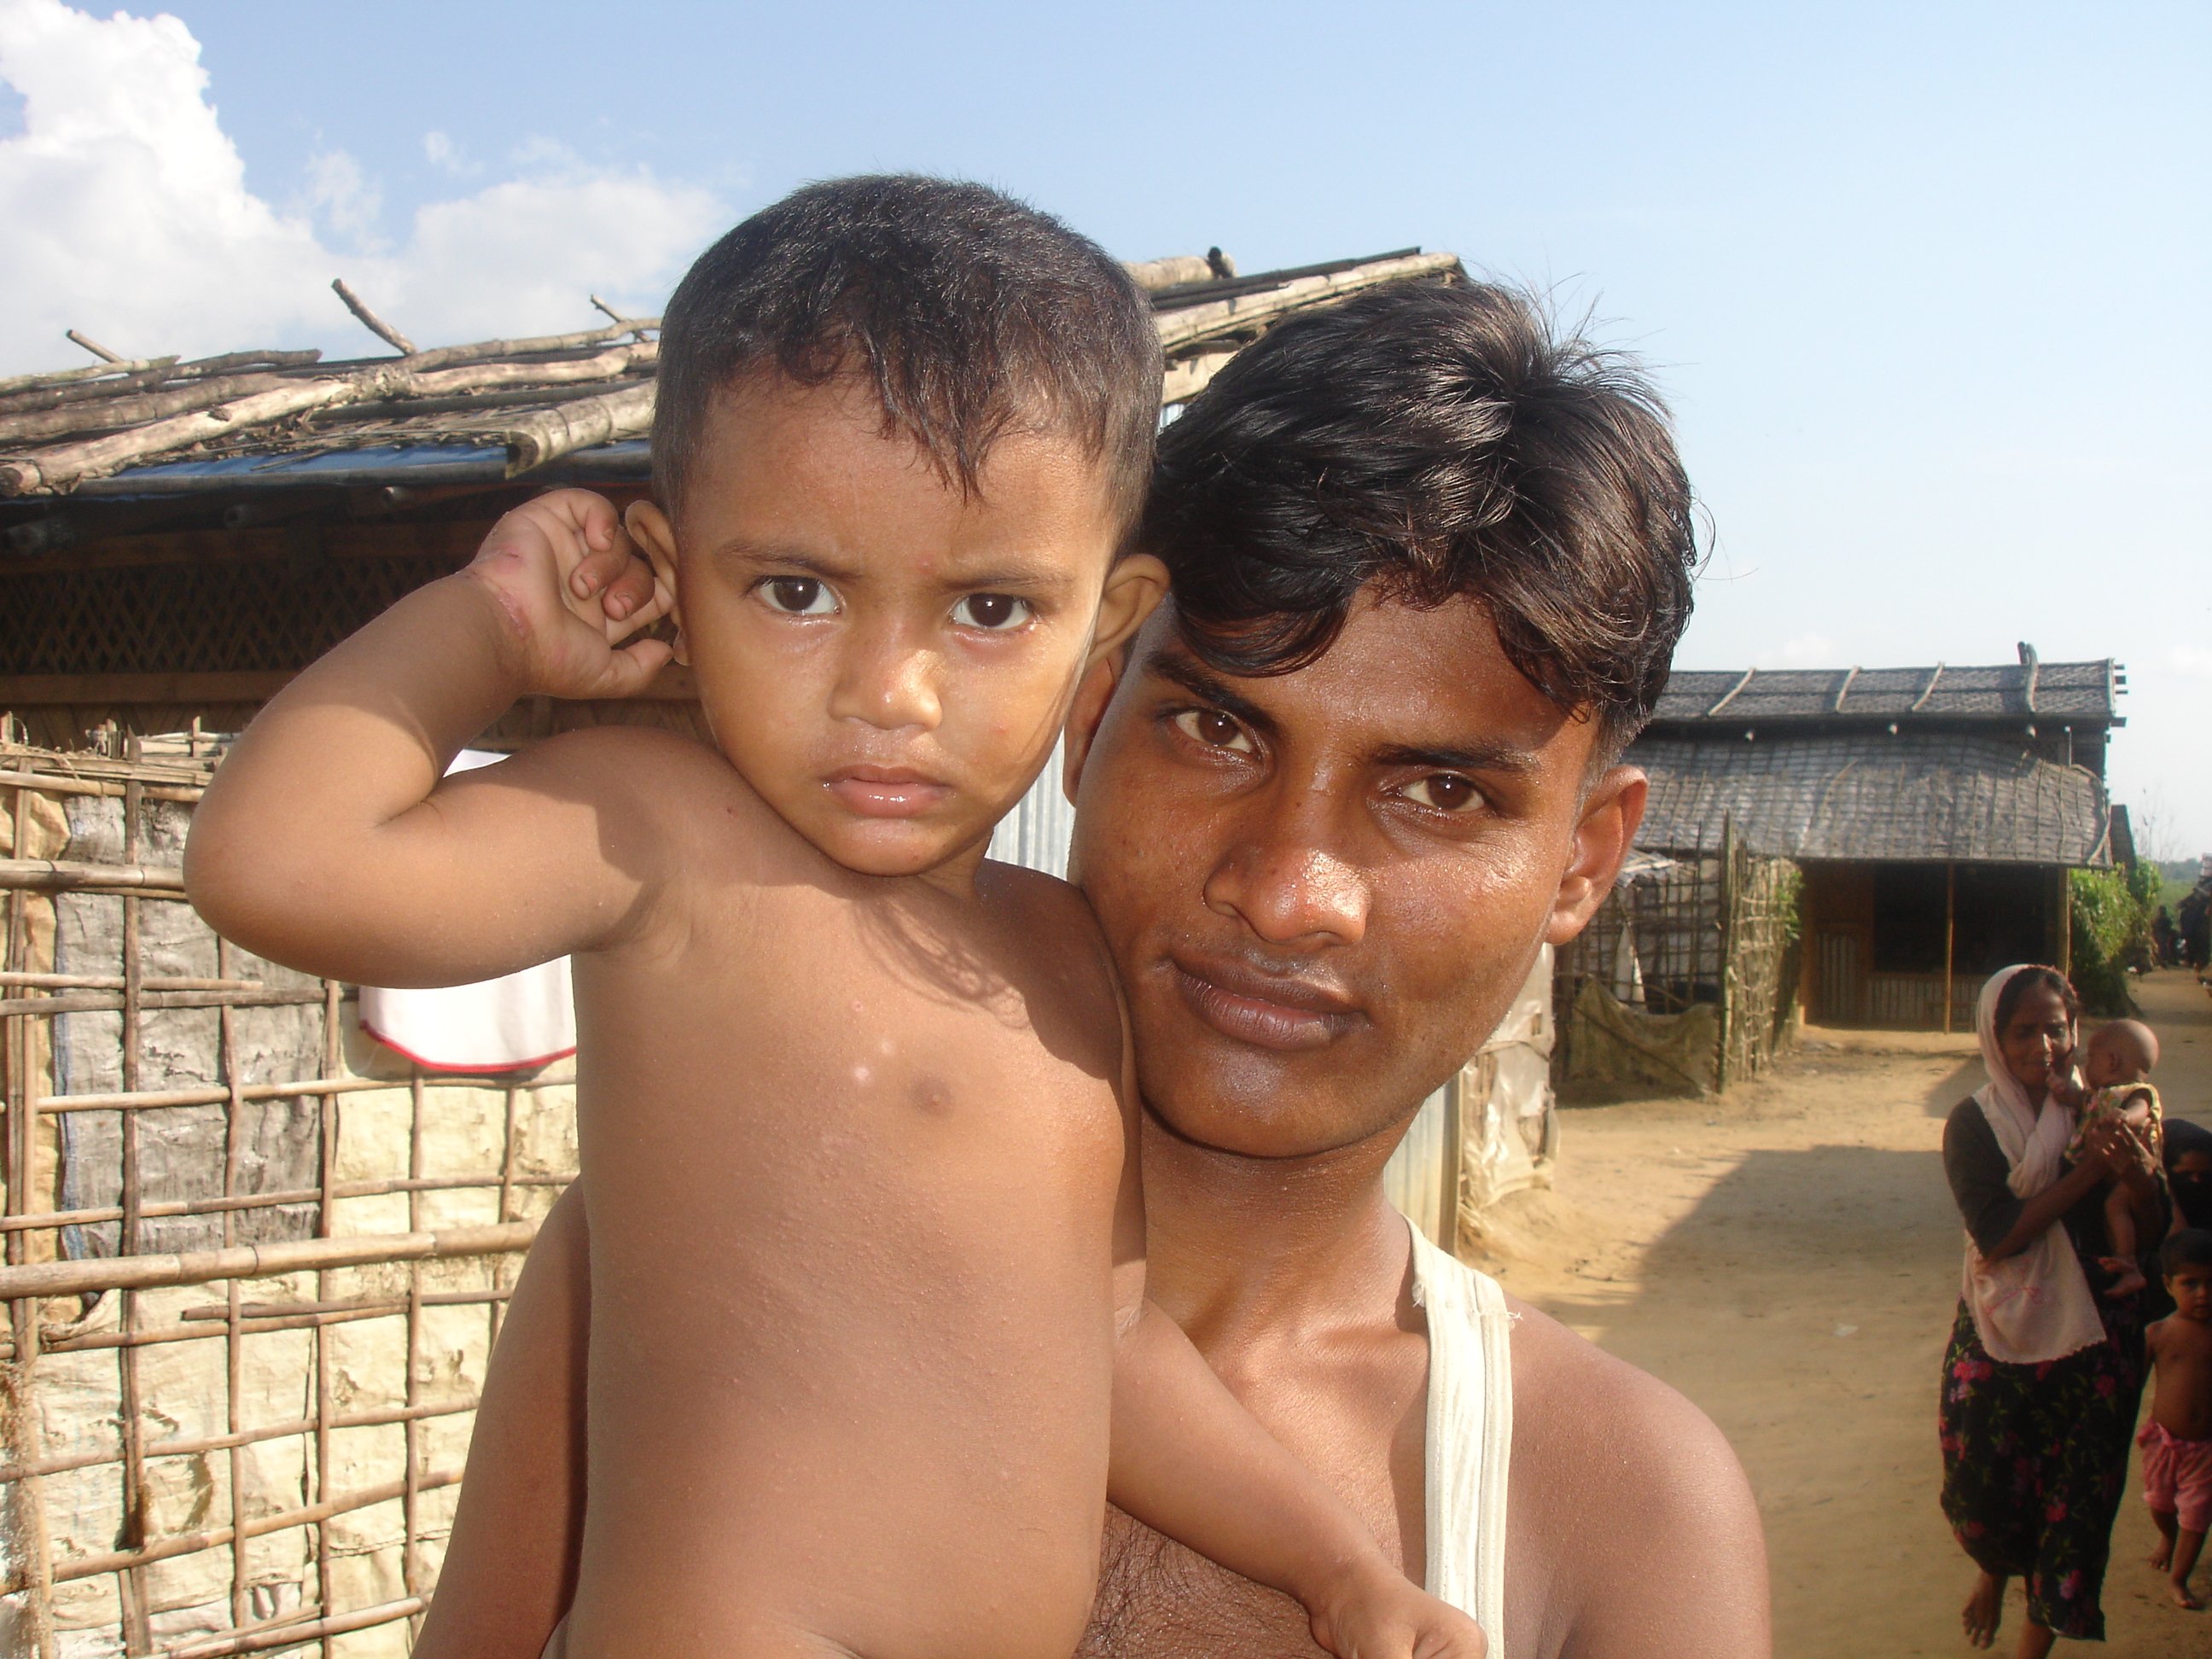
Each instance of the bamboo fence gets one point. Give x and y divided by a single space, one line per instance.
316 1480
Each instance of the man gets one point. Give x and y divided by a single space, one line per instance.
1430 566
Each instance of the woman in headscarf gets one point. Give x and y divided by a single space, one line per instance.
2044 1368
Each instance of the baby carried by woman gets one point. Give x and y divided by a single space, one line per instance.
2111 1086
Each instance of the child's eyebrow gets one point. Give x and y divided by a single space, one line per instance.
784 558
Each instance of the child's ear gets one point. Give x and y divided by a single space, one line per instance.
1134 587
653 535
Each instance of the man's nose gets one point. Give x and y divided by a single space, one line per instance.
887 680
1291 883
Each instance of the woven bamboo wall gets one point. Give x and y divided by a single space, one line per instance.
251 1273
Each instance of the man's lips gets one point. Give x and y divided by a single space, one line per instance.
885 792
1268 1011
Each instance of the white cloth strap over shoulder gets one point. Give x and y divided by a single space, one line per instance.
1470 1435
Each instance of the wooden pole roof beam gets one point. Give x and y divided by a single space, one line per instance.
369 320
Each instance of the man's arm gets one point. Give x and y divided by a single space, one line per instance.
510 1567
1630 1508
329 840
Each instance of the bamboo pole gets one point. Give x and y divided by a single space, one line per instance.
210 1538
302 1633
548 433
1950 935
1248 311
137 1629
164 1209
44 1278
63 875
85 414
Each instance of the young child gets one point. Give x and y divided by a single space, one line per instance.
2177 1442
2111 1087
855 1107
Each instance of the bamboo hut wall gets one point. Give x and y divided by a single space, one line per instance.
253 1262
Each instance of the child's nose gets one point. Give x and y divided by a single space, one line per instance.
889 685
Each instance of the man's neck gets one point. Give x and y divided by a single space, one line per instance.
1245 1250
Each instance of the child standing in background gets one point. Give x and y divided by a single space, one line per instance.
2177 1442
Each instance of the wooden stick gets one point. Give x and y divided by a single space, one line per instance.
122 411
93 347
256 1261
156 373
48 1220
550 434
60 876
15 383
439 356
298 1634
112 982
1246 311
191 1543
103 1002
1174 271
65 464
369 320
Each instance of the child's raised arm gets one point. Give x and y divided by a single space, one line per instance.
1189 1461
328 839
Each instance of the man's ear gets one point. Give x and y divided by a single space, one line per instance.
1134 587
1094 694
1603 834
651 532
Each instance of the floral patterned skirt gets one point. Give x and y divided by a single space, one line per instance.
2035 1460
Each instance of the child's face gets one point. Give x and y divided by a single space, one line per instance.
885 659
2191 1287
2106 1064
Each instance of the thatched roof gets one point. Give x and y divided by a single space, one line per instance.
2030 690
494 409
1917 795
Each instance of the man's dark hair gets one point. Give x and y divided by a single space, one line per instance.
2185 1247
1430 442
969 314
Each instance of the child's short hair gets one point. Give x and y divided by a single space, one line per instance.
969 314
2185 1247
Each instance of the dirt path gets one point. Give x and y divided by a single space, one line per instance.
1789 1259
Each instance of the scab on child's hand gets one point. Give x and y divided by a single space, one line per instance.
570 588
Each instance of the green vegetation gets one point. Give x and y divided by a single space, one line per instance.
2112 910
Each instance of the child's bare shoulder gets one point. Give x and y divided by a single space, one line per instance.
1057 920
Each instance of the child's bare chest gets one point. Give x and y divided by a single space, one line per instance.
831 1042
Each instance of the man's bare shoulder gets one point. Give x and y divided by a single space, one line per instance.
1628 1507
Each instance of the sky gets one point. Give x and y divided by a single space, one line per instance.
1925 285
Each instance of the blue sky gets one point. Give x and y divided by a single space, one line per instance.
1925 285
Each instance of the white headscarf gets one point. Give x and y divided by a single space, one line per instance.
2035 1305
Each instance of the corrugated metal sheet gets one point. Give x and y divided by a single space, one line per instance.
2063 691
1035 834
1938 796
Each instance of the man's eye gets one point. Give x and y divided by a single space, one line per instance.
1445 791
994 613
1214 729
799 596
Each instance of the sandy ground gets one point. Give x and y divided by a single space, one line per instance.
1788 1258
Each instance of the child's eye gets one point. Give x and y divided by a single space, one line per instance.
1445 791
799 596
1214 729
994 613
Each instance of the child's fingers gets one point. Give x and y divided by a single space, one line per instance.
628 671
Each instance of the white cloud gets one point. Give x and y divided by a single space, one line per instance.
128 217
2194 660
1803 651
445 154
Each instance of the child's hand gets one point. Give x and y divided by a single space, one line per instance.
1379 1614
568 585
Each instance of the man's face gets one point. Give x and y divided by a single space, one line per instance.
1323 889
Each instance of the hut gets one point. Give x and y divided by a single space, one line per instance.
1934 813
254 1261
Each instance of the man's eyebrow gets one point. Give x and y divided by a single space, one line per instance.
1210 688
1511 758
